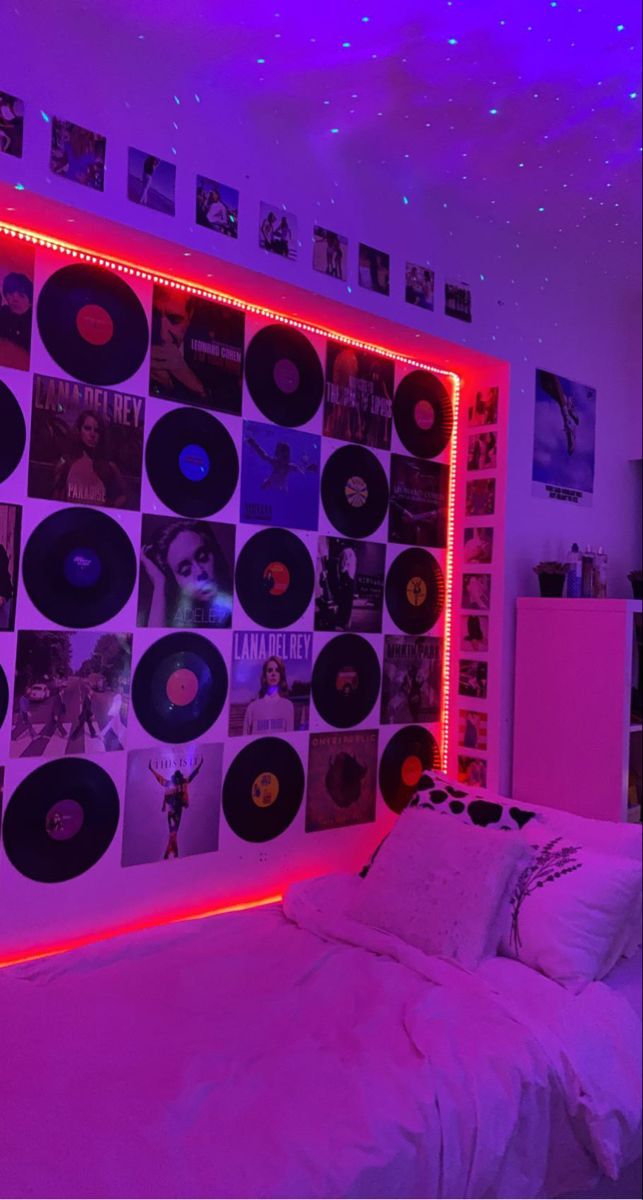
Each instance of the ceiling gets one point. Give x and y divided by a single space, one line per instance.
524 114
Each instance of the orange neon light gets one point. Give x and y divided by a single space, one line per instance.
147 273
90 939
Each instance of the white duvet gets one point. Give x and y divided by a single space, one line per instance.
263 1055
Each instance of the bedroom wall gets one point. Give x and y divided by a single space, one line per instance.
534 303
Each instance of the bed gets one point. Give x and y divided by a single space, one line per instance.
285 1051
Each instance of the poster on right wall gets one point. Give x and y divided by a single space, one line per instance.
564 440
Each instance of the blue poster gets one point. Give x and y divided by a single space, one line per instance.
564 439
279 476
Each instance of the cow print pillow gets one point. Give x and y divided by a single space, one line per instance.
438 793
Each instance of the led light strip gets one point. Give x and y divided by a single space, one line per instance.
139 272
91 938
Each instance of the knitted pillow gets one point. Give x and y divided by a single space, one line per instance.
442 886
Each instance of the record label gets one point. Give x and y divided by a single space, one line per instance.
346 680
354 491
275 578
415 591
263 789
79 567
14 433
410 752
423 414
92 324
192 462
60 820
179 687
284 375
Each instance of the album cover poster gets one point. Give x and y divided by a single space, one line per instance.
279 476
330 253
476 591
418 503
374 270
472 729
186 576
197 351
411 680
77 154
472 771
474 634
151 181
270 677
172 802
71 694
342 779
478 544
419 286
358 399
473 678
217 206
86 444
457 301
16 302
482 452
484 410
10 520
480 497
278 231
349 585
564 440
12 113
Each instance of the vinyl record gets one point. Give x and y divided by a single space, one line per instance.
263 789
346 680
275 578
4 697
284 375
423 414
13 434
92 324
192 462
415 591
79 567
179 687
410 752
354 491
60 820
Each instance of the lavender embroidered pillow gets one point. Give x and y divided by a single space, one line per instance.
568 911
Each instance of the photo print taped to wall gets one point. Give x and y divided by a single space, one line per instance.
419 286
217 206
12 113
16 302
278 231
330 253
78 154
151 181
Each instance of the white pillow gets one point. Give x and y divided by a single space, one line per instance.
569 912
442 886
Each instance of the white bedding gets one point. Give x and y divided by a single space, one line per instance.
255 1055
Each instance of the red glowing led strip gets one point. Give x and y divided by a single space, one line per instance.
145 273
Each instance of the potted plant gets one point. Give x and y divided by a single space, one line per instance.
636 579
551 577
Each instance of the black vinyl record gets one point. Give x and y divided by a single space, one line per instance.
4 696
263 789
13 434
92 324
275 578
346 680
410 752
192 462
354 491
60 820
423 414
79 567
415 590
284 375
179 687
